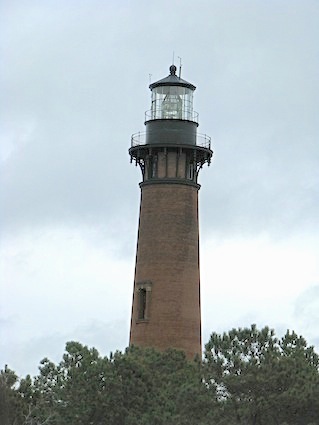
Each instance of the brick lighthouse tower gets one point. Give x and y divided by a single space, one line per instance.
166 296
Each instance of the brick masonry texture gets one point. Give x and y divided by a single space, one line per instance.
168 257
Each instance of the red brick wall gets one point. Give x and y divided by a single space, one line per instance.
168 257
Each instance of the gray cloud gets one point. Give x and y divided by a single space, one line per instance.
25 356
76 90
75 87
307 305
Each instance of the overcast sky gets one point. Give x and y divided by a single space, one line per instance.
74 85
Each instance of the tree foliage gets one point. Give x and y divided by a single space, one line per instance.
9 398
248 376
260 379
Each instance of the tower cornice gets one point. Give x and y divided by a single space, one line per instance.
170 181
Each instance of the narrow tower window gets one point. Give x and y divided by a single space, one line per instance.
142 304
143 292
190 171
152 167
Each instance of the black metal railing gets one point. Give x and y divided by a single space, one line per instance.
202 140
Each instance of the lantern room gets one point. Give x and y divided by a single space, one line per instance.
172 98
171 118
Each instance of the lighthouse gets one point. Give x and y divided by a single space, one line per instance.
170 153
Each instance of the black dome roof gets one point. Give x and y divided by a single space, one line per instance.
172 80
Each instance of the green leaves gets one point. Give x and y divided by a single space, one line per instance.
13 405
259 378
248 376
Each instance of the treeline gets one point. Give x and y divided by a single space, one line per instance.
248 376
